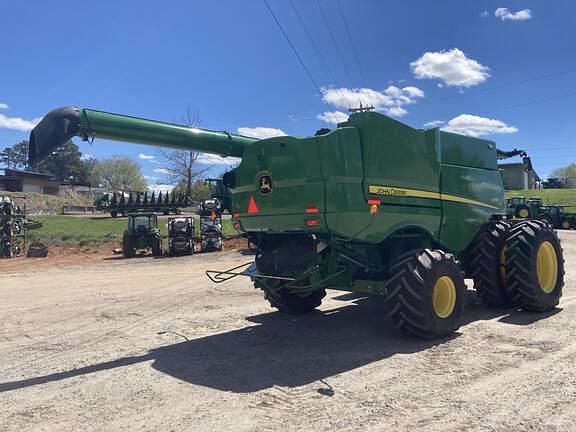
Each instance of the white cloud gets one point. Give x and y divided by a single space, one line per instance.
451 67
161 171
334 117
476 126
146 157
210 159
86 156
484 14
160 187
18 123
261 132
147 177
396 111
433 124
390 101
4 106
506 15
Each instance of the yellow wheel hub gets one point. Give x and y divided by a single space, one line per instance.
523 213
444 296
547 267
566 225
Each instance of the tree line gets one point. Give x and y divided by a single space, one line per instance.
117 173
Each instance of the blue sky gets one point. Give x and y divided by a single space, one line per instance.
504 70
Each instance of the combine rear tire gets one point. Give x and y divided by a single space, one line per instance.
534 266
487 264
426 293
114 213
287 302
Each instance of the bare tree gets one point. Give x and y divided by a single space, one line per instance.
182 166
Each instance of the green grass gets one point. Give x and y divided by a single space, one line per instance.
70 230
565 197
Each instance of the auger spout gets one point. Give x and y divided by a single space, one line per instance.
62 124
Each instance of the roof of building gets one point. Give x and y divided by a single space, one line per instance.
8 172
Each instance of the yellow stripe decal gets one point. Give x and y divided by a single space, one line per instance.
416 193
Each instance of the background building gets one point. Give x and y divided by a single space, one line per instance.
28 181
516 176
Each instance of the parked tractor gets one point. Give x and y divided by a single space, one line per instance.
373 207
557 216
142 235
180 236
517 207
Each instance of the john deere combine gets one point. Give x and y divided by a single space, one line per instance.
374 207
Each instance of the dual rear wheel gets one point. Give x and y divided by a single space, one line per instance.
518 265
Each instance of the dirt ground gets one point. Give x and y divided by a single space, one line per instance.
151 344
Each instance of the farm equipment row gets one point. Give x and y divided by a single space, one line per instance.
122 203
533 208
143 235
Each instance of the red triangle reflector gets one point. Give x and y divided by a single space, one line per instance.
252 207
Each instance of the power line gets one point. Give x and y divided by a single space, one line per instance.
511 84
318 51
295 51
353 49
336 46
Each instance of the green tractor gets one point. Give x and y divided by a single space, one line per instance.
142 235
557 216
518 208
373 207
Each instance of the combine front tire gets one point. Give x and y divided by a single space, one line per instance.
426 293
288 302
487 263
534 266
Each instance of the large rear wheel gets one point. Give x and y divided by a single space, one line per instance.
156 247
487 263
128 247
426 293
534 266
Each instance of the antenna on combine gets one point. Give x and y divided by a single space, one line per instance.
361 109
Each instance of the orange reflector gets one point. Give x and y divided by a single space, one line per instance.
236 215
373 209
312 222
374 201
312 209
252 207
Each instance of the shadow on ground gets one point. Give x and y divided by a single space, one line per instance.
285 350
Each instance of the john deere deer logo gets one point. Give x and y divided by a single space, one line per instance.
265 184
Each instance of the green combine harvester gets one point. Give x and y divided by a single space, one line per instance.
373 207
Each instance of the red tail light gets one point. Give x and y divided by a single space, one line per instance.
312 209
312 222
